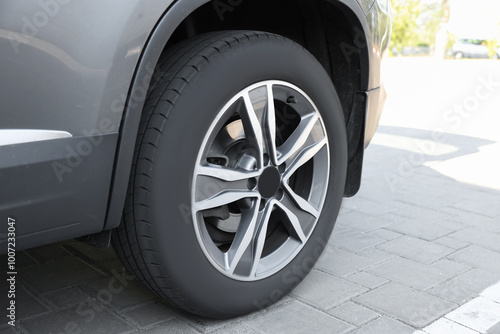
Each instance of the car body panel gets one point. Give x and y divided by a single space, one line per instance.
67 67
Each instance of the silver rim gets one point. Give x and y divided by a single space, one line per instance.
260 180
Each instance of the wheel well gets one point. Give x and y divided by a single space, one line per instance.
329 31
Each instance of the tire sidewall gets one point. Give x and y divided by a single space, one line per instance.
182 260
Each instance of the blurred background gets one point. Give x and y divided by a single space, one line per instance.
443 77
446 28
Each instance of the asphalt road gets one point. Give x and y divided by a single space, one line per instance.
417 249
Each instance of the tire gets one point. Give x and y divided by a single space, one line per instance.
459 55
208 186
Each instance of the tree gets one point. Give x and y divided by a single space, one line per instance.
404 26
442 33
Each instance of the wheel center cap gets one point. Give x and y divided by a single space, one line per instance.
269 182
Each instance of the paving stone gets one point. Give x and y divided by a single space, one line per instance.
341 263
494 330
478 205
86 251
118 296
408 305
491 210
481 238
66 297
148 315
354 313
353 240
427 200
324 291
492 293
297 318
475 280
59 274
452 243
452 267
382 233
391 218
479 257
27 306
48 253
361 221
89 318
469 219
411 273
236 329
421 214
385 325
375 255
416 249
452 293
479 314
174 326
367 280
451 224
444 325
367 206
7 330
206 325
22 260
420 229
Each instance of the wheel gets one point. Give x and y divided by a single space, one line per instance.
239 173
495 56
459 55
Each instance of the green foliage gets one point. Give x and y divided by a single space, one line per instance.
416 22
492 47
404 27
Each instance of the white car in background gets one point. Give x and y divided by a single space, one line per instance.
472 48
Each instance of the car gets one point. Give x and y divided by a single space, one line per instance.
472 48
210 142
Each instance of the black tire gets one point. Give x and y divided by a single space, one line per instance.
156 240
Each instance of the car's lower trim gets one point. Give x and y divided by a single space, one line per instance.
22 136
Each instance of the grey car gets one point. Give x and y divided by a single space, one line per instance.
210 142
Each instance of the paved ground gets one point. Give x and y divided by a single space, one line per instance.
421 239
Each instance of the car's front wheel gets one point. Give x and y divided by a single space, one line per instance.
239 174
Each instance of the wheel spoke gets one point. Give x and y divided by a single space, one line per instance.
223 198
218 186
295 225
270 125
226 174
253 130
243 239
303 157
260 236
301 203
298 138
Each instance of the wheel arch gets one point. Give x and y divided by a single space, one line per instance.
342 49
